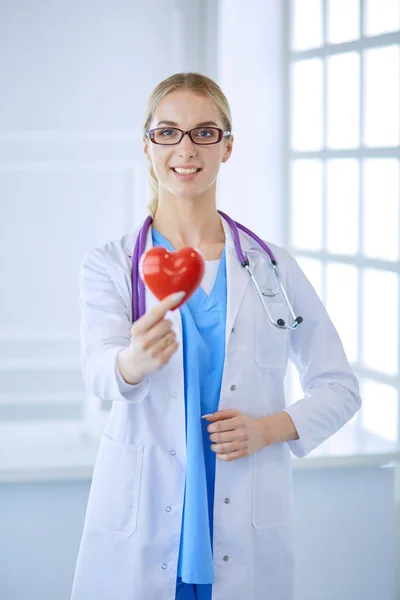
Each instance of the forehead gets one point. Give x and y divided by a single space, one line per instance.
186 108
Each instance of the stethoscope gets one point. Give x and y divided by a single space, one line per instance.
138 290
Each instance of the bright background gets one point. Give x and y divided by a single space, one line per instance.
314 87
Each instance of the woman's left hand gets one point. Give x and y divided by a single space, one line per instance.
236 435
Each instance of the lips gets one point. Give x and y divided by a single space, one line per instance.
186 176
186 169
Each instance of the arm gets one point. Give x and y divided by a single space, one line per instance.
105 331
331 391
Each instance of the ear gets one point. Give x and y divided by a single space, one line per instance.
228 149
146 151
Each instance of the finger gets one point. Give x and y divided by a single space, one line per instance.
228 436
232 455
167 353
159 346
221 414
155 334
224 425
153 316
228 447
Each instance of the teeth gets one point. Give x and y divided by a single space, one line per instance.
186 171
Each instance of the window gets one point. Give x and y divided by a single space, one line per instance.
342 167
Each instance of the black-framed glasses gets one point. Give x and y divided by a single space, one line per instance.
170 136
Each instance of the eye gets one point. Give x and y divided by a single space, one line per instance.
166 132
205 133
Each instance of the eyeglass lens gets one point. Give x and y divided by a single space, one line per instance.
201 135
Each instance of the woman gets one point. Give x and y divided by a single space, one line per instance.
184 505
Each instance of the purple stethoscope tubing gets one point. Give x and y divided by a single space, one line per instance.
138 289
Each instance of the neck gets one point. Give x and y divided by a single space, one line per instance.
189 222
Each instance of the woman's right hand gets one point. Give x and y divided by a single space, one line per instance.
152 342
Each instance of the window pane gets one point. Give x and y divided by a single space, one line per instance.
380 320
306 204
381 16
313 271
342 304
306 104
381 96
342 206
306 24
343 18
381 208
343 103
379 411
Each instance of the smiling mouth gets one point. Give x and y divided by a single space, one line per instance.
185 171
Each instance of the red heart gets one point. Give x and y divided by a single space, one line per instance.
167 272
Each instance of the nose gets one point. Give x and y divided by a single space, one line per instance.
186 146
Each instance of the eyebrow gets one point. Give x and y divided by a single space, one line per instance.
204 124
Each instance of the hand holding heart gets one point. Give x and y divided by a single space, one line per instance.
172 277
152 342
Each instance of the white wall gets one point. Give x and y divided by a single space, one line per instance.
250 73
74 80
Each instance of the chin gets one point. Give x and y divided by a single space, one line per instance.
187 191
190 194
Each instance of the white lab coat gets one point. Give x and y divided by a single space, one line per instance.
130 543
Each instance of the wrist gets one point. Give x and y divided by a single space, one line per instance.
279 428
123 368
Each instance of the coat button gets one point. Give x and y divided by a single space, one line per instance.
163 566
226 558
233 388
168 509
227 500
172 452
233 329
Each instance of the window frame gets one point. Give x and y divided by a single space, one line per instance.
360 153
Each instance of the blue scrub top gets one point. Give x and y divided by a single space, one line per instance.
203 335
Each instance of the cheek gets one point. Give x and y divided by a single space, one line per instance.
213 160
160 161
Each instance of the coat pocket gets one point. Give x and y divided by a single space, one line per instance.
272 502
114 494
270 342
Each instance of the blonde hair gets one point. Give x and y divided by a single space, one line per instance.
198 83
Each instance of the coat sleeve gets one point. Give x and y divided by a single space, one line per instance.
104 331
331 389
